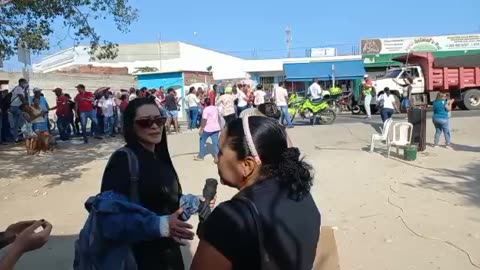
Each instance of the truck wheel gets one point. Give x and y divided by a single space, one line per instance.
471 99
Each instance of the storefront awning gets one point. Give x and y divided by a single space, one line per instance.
343 70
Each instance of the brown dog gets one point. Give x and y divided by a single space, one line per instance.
44 142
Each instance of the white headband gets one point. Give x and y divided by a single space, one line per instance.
248 137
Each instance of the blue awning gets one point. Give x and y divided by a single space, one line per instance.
344 70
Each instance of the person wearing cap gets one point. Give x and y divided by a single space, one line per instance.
64 114
84 109
367 92
226 105
37 92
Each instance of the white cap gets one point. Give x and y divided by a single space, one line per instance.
365 76
36 89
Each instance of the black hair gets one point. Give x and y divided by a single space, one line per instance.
22 80
277 159
207 101
169 90
161 149
214 87
387 92
270 109
259 87
132 90
281 84
190 91
143 89
138 92
67 95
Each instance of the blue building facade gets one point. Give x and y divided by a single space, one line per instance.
167 80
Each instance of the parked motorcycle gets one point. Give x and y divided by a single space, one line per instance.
343 103
311 109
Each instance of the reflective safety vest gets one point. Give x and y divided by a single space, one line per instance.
336 91
367 88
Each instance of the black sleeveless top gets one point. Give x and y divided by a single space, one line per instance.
291 228
159 192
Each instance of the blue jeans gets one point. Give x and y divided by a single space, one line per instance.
16 121
386 114
193 117
63 125
241 109
84 116
285 116
442 125
108 122
203 140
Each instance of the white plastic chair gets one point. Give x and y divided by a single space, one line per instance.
404 137
381 137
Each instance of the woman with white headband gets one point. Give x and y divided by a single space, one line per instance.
272 222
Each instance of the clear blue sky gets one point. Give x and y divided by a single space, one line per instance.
240 27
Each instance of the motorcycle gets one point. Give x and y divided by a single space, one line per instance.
311 109
343 103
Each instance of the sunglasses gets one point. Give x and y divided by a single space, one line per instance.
148 122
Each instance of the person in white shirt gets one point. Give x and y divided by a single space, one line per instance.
107 104
315 90
242 99
133 94
19 97
387 103
192 103
281 99
259 95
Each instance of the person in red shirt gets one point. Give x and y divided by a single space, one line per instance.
212 94
64 114
161 95
84 109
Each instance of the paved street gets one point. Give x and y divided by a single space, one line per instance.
347 118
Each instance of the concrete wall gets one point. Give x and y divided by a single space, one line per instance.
66 81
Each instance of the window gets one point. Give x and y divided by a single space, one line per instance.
392 74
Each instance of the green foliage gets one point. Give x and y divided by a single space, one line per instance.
145 69
31 22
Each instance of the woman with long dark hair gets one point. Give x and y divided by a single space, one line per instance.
273 213
159 189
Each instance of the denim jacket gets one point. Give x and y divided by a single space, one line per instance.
114 224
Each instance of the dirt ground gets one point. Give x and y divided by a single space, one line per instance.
388 213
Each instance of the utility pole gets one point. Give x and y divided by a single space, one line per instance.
288 31
160 51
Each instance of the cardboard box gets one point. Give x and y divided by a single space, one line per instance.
327 252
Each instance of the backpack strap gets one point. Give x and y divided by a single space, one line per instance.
133 169
266 262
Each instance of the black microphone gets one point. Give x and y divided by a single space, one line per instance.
209 192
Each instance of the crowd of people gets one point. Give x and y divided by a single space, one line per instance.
139 219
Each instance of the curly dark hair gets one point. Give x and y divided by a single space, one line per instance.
277 159
270 109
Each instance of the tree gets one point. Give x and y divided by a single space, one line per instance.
30 23
145 69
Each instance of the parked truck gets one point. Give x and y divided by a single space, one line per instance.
457 75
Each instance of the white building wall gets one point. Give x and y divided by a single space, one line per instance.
223 66
63 59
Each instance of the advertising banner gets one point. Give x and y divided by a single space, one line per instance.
421 44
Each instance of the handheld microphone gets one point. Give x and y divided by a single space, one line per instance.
209 192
